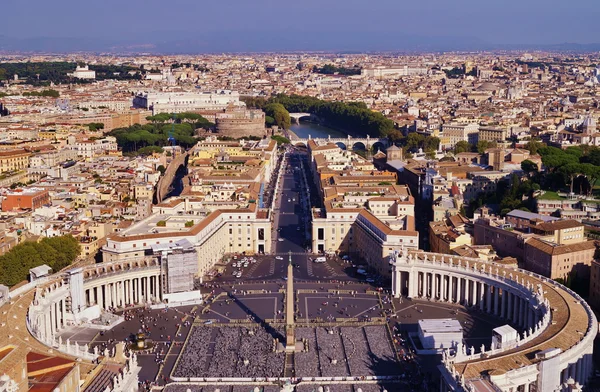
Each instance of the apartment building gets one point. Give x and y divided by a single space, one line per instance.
13 160
551 248
25 199
492 134
457 132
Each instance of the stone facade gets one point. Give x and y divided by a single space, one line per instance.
241 123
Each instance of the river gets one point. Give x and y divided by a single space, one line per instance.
304 129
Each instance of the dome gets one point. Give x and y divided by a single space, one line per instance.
566 101
589 122
487 86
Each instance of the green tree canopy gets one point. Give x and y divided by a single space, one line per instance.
56 252
529 166
462 146
483 145
279 113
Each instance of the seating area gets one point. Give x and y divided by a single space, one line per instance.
348 351
230 352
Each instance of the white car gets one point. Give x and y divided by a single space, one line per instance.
278 258
280 239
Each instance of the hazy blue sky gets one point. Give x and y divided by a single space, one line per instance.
340 24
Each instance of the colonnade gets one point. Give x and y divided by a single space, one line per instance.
517 296
123 292
496 299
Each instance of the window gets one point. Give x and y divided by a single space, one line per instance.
261 234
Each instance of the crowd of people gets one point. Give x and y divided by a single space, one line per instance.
356 351
220 388
230 352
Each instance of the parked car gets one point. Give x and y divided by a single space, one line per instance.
278 258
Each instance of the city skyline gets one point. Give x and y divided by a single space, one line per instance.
264 25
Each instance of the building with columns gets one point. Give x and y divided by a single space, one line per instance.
549 356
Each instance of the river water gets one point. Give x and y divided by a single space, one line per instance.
304 129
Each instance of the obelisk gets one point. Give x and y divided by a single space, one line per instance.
290 344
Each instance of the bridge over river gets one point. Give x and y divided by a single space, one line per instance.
348 142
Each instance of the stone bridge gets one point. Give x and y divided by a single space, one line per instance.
165 181
345 143
298 116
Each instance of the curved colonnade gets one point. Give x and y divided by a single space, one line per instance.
76 297
557 328
102 287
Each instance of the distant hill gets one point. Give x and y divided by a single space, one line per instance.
342 42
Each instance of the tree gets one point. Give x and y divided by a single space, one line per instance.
414 140
431 143
95 126
529 166
278 112
269 121
161 169
462 146
56 252
280 139
571 171
534 145
483 145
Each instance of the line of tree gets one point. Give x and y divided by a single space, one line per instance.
138 138
352 117
44 93
56 252
330 69
457 72
45 72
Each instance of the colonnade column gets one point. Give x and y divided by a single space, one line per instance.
522 312
488 294
450 294
482 296
509 301
516 309
458 289
496 299
64 311
148 298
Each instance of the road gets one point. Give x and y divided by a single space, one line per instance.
291 227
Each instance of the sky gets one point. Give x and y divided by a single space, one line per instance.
263 25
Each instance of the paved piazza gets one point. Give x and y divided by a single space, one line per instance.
347 329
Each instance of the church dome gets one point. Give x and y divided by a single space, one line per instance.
487 86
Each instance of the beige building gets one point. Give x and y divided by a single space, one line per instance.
448 234
13 160
220 232
492 134
558 261
457 132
